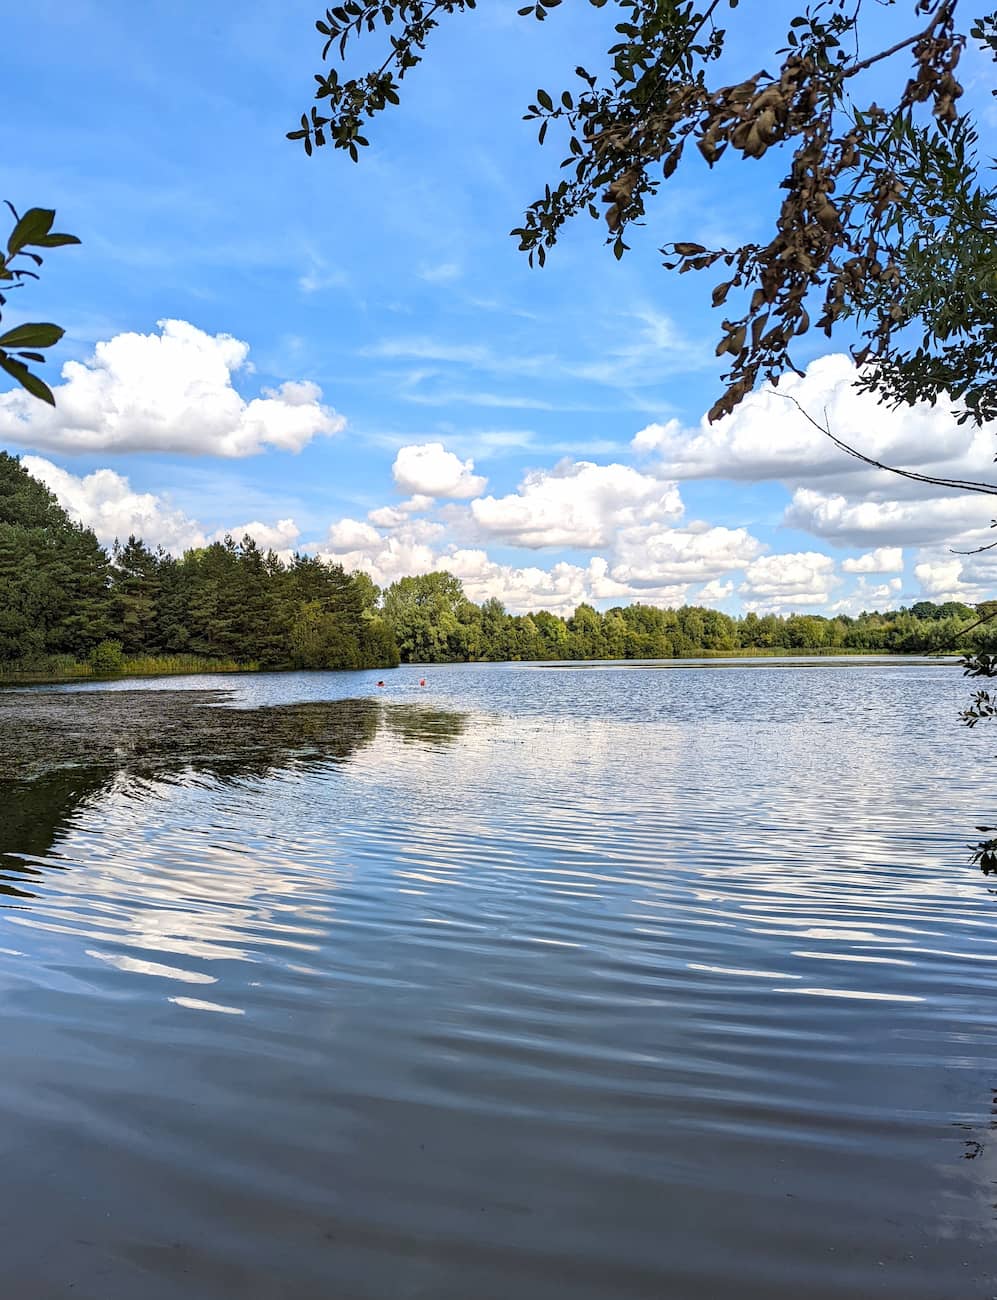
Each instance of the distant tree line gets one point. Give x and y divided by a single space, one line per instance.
63 596
434 622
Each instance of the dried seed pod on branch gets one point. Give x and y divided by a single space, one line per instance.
883 212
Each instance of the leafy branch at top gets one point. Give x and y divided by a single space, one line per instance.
21 345
884 220
347 103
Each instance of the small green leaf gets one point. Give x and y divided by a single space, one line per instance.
34 225
55 240
31 336
19 371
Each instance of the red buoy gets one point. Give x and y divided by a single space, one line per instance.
380 683
422 681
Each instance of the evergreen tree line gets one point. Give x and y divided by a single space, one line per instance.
63 596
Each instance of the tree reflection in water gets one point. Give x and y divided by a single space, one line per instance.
60 751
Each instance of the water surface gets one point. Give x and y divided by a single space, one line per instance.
533 982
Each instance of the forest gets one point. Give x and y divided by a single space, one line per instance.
68 604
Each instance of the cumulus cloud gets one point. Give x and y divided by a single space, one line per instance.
868 595
560 589
649 558
943 576
804 578
106 502
386 558
767 437
395 516
663 566
352 535
576 504
280 537
941 580
715 591
856 522
171 391
884 559
429 470
836 496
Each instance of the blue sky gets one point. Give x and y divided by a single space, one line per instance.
362 364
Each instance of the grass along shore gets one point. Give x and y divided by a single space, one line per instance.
63 668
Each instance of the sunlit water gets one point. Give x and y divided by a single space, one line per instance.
590 982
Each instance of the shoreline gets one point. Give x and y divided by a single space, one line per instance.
714 658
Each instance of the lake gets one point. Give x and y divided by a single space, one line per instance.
598 981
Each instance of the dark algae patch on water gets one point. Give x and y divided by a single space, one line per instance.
154 731
61 749
162 731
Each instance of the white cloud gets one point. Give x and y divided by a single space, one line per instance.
522 589
395 516
577 504
105 502
428 469
868 595
836 496
648 558
660 437
352 535
386 559
628 515
170 391
969 578
849 522
941 579
280 537
714 592
884 559
767 437
805 578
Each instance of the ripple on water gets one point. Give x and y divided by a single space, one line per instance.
601 983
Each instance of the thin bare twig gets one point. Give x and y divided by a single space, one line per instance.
962 484
966 485
950 644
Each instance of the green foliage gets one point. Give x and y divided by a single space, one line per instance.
106 659
433 622
882 219
317 639
983 707
53 574
21 344
159 665
226 603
